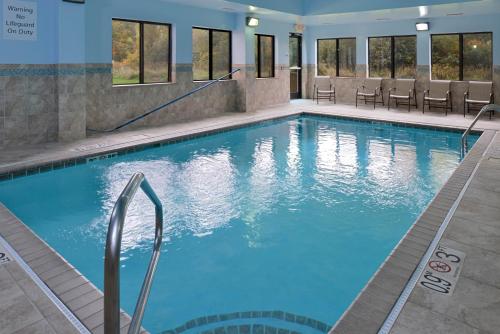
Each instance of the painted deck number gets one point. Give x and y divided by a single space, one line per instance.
4 258
443 270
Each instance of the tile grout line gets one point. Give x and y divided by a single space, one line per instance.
405 295
53 298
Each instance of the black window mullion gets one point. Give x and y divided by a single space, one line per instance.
258 57
337 60
393 57
274 57
461 56
210 55
141 52
230 65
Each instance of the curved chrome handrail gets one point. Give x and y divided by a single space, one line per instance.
112 257
465 146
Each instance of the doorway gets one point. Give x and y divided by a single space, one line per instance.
295 55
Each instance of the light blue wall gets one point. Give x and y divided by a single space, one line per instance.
484 23
281 32
183 18
288 6
71 33
100 12
313 7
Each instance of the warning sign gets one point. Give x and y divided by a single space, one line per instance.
442 272
20 20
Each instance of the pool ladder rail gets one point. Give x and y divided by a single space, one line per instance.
464 144
112 257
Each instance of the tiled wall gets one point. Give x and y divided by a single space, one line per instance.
346 87
46 103
108 106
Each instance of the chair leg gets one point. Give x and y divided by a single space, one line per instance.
409 104
356 100
389 102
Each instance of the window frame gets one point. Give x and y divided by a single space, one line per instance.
393 53
141 50
210 53
461 52
337 54
258 69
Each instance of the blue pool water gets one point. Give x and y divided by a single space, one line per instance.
288 216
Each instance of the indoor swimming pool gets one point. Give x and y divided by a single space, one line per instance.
279 224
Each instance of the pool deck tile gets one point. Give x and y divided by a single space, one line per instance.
365 314
474 229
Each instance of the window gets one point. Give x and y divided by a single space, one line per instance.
337 57
211 54
392 57
264 56
462 56
141 52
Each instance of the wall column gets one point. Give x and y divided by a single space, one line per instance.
71 72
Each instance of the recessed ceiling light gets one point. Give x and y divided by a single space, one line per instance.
252 8
454 14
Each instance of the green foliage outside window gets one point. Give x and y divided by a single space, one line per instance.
337 57
211 47
131 65
462 57
264 56
393 57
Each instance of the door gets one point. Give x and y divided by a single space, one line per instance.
295 55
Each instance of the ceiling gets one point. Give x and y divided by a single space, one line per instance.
319 12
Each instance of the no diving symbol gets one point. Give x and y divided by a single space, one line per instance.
440 266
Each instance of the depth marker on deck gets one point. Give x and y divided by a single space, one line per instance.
414 279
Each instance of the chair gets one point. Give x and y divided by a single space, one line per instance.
324 90
478 94
370 91
438 96
405 91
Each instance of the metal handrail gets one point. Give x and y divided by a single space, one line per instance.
112 257
465 146
163 106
